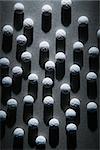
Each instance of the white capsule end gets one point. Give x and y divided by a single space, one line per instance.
17 71
7 30
78 45
48 100
47 8
83 19
21 40
44 45
12 103
19 132
98 33
3 115
19 7
65 87
28 99
26 56
66 2
47 82
74 68
70 113
60 34
54 122
71 127
94 51
28 23
4 62
91 76
75 102
7 81
40 140
33 122
91 106
60 56
49 65
33 77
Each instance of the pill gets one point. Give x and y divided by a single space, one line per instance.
3 116
6 87
26 58
21 41
18 16
75 78
47 86
91 78
33 124
28 30
17 79
98 38
54 132
94 59
78 48
18 138
40 142
7 38
48 109
11 112
83 29
44 53
33 85
64 96
70 115
46 22
28 101
66 12
60 65
60 40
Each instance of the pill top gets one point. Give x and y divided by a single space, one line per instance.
65 88
83 19
4 62
71 127
7 30
54 122
44 45
91 76
7 81
47 82
49 65
75 68
18 132
33 122
17 71
48 100
40 140
21 39
33 77
2 115
60 34
26 56
75 102
60 56
12 103
94 51
91 106
70 113
29 23
78 45
47 8
28 99
19 7
66 2
98 33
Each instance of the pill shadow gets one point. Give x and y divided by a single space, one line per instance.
83 33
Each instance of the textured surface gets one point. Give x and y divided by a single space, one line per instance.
86 139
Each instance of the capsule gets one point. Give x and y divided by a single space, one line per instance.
26 58
71 131
60 40
7 38
11 112
33 124
17 79
4 67
28 101
66 12
46 18
83 29
64 96
48 109
60 65
6 87
50 70
3 116
40 142
75 105
18 16
94 59
75 78
33 85
70 115
18 138
28 30
92 115
91 78
21 41
98 38
47 86
78 53
44 53
54 132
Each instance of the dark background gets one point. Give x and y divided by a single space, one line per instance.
86 139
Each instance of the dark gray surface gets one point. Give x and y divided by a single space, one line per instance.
85 138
